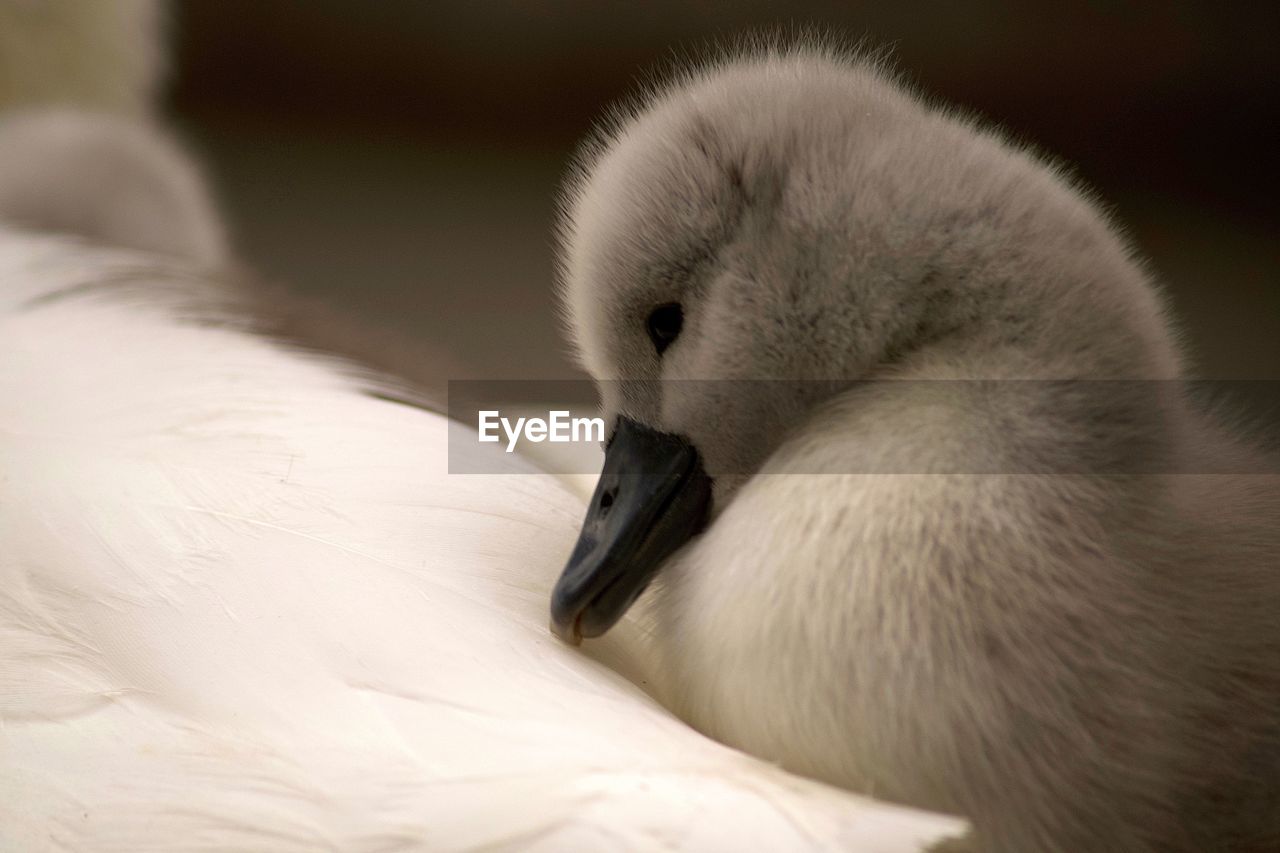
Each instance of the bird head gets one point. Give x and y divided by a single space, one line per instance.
756 238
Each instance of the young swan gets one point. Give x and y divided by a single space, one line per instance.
112 180
1078 650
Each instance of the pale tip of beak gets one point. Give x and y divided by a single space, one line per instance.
573 637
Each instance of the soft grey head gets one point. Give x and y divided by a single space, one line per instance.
814 221
114 180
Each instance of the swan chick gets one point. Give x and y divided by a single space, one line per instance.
114 180
1074 658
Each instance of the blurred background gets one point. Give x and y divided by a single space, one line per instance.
402 158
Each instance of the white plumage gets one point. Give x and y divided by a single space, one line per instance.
243 606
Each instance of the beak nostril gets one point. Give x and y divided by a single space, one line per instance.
606 500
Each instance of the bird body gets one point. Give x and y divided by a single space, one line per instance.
245 606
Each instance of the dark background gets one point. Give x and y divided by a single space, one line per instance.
401 158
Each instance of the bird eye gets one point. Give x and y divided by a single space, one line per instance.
664 325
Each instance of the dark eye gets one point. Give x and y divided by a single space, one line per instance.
664 325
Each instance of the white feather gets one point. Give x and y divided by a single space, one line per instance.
244 606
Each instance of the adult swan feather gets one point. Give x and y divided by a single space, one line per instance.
243 605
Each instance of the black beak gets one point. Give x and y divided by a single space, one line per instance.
653 496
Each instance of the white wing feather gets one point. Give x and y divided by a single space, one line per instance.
243 606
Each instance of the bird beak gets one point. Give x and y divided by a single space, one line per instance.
652 497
